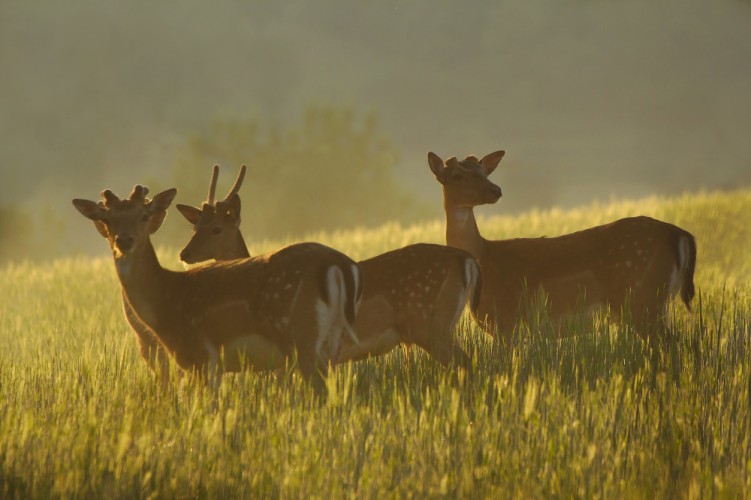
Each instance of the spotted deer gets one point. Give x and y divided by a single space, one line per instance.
638 262
413 295
223 317
216 225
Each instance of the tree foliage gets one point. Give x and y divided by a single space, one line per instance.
334 170
16 230
30 236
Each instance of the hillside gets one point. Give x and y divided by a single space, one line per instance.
600 414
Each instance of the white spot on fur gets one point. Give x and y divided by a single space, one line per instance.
684 249
356 280
331 317
460 303
461 215
470 271
675 281
325 316
676 276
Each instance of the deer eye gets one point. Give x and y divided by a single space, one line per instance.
216 230
145 218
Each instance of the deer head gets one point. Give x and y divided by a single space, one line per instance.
127 224
216 225
465 183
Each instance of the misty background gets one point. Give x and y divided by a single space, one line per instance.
334 105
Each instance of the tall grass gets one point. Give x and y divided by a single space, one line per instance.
597 415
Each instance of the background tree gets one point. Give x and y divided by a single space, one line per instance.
332 171
25 236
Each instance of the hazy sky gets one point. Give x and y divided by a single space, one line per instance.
589 98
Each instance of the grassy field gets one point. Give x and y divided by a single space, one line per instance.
597 415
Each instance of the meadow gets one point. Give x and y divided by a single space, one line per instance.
597 415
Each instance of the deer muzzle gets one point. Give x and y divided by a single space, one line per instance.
494 193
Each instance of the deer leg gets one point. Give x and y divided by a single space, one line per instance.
447 353
439 342
155 356
437 335
649 317
149 347
312 369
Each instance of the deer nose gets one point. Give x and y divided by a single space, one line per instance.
495 191
185 256
124 242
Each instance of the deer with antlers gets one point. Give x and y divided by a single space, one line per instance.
638 262
224 317
413 295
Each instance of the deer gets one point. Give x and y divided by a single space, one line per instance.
246 314
635 263
413 295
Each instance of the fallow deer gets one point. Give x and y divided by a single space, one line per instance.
413 295
223 317
637 261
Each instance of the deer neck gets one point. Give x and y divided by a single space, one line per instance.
143 281
233 249
240 250
461 230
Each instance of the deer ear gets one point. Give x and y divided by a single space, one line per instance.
90 209
162 201
155 221
436 166
489 162
234 206
101 227
193 214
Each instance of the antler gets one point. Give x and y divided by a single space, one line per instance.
238 183
452 162
109 197
212 185
139 193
